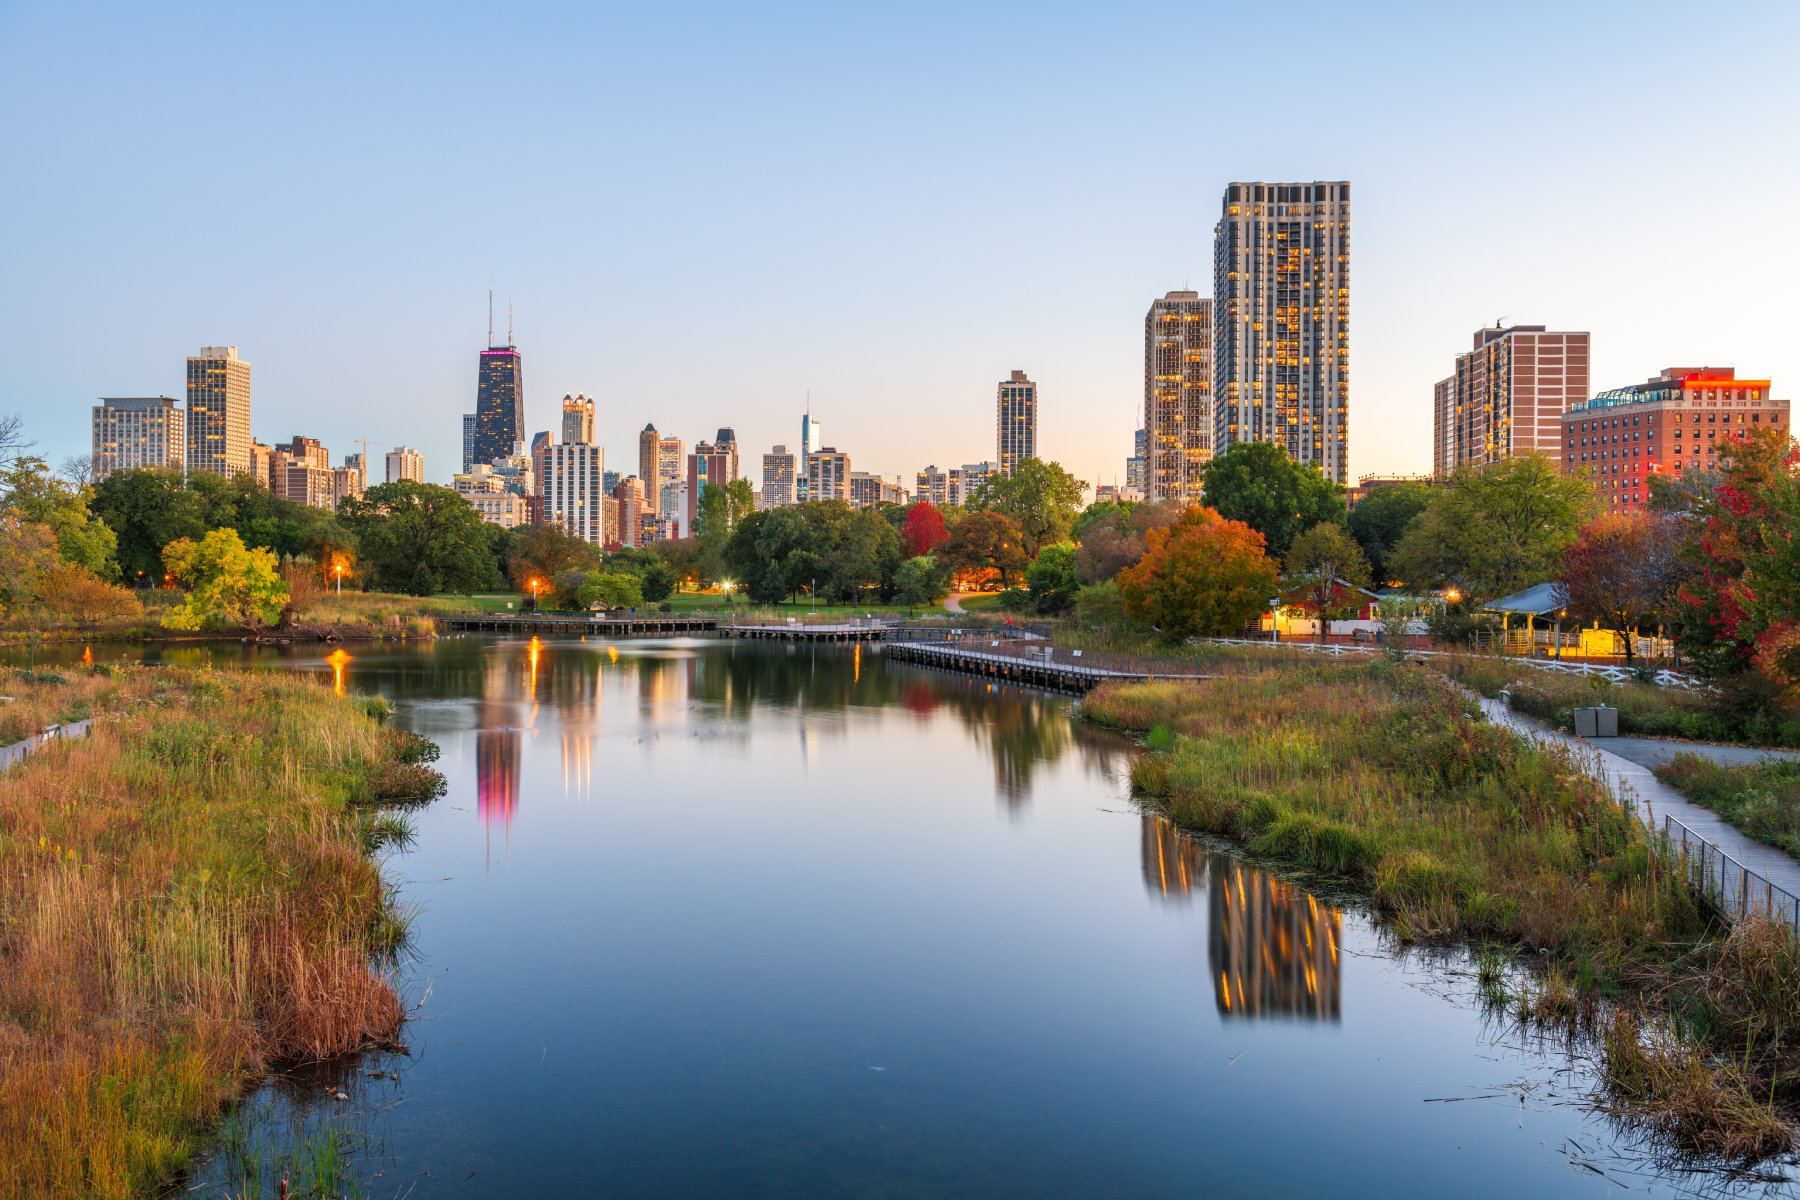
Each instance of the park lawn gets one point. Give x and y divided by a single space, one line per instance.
186 898
1382 775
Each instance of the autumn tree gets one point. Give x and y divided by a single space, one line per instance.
986 541
1620 572
1323 572
82 598
924 529
1495 529
1259 484
30 492
1111 544
1203 576
228 584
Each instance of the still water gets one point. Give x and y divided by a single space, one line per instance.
702 918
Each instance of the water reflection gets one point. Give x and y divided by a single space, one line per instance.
1174 865
1272 947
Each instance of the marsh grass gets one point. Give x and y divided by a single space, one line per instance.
1762 799
186 898
1383 775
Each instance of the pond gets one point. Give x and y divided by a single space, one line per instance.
702 918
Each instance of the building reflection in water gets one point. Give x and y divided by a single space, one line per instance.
1272 948
498 753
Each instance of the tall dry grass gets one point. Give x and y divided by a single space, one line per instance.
184 899
1384 775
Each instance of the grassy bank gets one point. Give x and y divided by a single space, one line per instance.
1762 799
1381 775
186 898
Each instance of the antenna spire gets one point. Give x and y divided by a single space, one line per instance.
509 336
490 316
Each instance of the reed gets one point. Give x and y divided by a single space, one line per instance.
186 898
1383 775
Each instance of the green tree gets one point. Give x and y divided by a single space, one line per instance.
229 585
547 552
1203 576
34 495
1381 518
1041 498
1258 484
1052 579
921 580
1324 570
420 538
1496 530
1100 605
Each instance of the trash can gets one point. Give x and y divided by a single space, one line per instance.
1597 722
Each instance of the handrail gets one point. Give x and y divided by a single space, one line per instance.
1613 674
1733 888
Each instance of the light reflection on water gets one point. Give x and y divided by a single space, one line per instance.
745 919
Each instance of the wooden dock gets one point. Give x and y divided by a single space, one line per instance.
871 630
1040 666
577 624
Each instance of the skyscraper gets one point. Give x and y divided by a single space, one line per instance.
650 466
577 419
218 412
727 444
468 441
403 462
779 479
1015 421
1178 410
1281 321
572 490
809 444
499 400
138 431
1137 466
1507 396
707 466
828 475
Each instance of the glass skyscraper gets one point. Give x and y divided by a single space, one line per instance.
499 406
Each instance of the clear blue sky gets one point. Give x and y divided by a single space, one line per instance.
701 212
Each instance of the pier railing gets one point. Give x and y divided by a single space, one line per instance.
1733 888
1610 672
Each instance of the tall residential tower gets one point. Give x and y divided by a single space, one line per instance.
218 412
577 420
1015 421
1178 409
1507 396
138 431
1281 321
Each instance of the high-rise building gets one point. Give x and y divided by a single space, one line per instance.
302 473
468 441
671 507
708 466
1281 321
499 418
827 475
1136 467
218 412
1177 437
348 481
650 465
577 419
572 490
809 444
262 463
967 479
403 462
934 486
1015 421
1507 396
1683 420
780 479
138 431
868 490
727 444
633 509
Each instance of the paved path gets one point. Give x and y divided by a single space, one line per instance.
1656 799
1655 752
953 602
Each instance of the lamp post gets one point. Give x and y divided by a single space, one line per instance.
339 569
534 590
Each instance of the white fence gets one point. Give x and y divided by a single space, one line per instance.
1611 672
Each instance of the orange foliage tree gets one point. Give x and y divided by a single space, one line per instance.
1203 576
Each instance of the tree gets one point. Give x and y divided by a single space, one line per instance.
79 596
923 530
27 559
1203 576
546 552
1041 498
1495 530
1052 579
921 579
1102 514
1620 572
1258 484
34 495
1099 604
986 541
229 584
1382 517
615 589
419 538
1324 570
1111 545
146 510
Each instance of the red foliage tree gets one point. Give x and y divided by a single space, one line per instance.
924 529
1620 572
1203 576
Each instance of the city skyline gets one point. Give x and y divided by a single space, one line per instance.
110 290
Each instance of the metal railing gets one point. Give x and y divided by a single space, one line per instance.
1611 673
1733 888
992 646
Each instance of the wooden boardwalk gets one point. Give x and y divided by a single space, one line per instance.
1039 665
602 624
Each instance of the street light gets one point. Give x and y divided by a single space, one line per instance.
1453 596
339 568
534 590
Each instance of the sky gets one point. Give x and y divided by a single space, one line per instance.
702 213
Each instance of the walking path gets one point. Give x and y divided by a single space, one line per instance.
953 602
1657 752
1656 799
